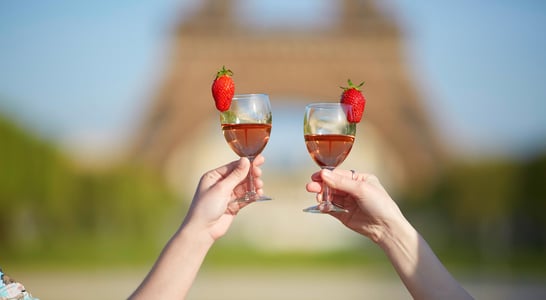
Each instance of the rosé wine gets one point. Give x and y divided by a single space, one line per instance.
329 150
247 139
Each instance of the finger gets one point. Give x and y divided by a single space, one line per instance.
258 160
365 177
313 187
340 180
258 183
260 191
318 197
256 171
345 173
316 176
211 177
233 177
223 171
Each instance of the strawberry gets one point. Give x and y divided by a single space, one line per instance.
223 89
353 96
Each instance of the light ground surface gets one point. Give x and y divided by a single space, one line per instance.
255 284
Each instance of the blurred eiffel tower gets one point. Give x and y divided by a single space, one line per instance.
181 135
290 64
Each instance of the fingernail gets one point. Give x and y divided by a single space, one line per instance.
327 173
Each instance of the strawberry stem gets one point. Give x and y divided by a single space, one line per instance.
223 72
352 86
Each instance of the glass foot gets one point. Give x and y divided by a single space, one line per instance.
253 197
324 208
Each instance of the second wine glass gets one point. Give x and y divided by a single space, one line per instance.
246 127
329 137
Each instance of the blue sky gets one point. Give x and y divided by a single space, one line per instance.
79 67
482 65
84 71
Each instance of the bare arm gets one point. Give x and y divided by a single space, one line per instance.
210 215
176 268
423 274
374 214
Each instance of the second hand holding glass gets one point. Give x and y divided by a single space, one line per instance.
246 127
329 137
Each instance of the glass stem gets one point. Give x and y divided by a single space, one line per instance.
250 177
326 192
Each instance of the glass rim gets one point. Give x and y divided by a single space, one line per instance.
327 104
242 96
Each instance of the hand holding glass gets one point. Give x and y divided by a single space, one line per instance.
329 138
247 126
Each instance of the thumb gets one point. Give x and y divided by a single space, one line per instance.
236 175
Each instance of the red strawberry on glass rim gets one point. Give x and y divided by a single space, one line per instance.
353 96
223 89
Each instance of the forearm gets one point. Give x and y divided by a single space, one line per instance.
421 271
176 268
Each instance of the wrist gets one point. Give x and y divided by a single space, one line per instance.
394 233
199 238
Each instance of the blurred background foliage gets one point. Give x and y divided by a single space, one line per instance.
53 210
486 211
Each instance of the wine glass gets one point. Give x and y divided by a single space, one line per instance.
329 137
247 126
